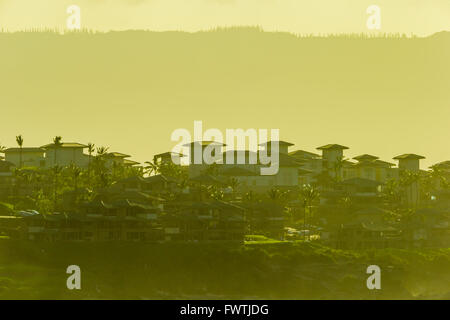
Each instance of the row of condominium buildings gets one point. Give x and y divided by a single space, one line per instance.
296 167
158 207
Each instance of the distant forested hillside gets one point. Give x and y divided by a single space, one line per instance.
347 89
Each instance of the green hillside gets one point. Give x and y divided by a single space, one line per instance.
220 271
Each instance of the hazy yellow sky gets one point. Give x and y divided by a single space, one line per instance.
421 17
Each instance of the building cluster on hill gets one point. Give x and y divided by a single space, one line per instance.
364 202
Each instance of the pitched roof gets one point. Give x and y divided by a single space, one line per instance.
31 149
443 164
365 157
168 154
385 163
216 204
117 155
159 178
245 155
373 164
302 172
237 154
348 163
409 156
332 146
226 204
303 153
137 196
204 143
131 179
130 162
74 145
288 161
126 203
113 193
281 143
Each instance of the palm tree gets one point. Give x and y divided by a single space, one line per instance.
170 169
392 194
56 144
2 149
215 193
249 196
75 173
437 174
183 183
35 179
151 168
91 149
309 195
234 184
101 172
56 172
56 169
274 194
19 140
337 166
345 203
102 151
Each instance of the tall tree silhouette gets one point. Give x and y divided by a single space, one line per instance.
56 144
338 166
102 151
91 149
151 167
56 169
308 194
56 172
19 140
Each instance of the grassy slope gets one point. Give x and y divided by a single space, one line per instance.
184 271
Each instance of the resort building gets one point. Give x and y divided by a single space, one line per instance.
409 162
65 154
25 157
7 178
115 158
409 170
350 203
370 167
332 156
